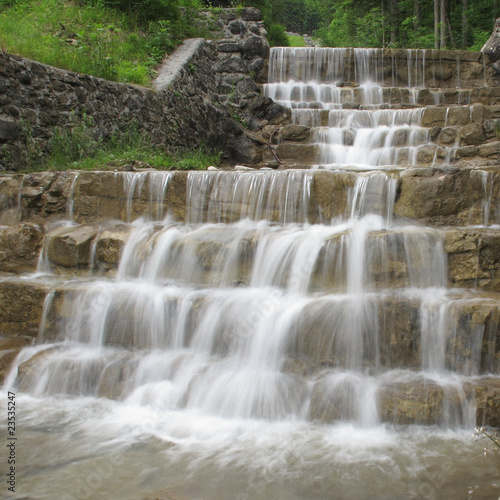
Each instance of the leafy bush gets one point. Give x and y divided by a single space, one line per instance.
296 41
276 35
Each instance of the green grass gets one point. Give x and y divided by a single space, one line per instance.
296 41
115 158
90 37
77 148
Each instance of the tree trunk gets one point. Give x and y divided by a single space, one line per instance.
383 22
442 22
436 24
394 22
450 32
464 24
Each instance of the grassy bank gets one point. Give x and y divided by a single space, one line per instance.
77 148
95 38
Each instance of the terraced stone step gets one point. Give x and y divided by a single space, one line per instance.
397 396
387 67
330 96
416 398
461 330
428 116
222 255
432 196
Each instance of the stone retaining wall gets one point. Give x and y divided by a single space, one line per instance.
185 112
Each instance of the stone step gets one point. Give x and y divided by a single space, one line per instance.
457 330
409 398
328 96
430 196
387 67
400 397
428 116
21 306
408 256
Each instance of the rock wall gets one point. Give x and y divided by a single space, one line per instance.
196 106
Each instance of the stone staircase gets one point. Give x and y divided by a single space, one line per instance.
365 290
382 269
438 108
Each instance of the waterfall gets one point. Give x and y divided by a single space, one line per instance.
353 89
254 344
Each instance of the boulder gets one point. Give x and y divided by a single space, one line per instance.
472 134
448 135
20 246
70 246
255 46
251 14
295 133
492 47
489 149
110 244
237 27
233 65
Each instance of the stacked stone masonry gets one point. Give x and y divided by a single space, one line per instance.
196 109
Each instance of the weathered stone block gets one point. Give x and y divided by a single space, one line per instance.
295 133
70 246
472 134
9 131
20 246
489 149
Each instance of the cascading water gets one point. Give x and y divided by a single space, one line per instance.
259 349
341 94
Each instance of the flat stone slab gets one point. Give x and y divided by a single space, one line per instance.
173 64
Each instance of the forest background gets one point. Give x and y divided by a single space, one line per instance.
125 40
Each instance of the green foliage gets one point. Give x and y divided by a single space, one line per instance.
76 147
118 40
371 28
276 35
409 23
479 39
74 142
296 41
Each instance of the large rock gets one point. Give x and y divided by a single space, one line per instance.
255 46
492 47
70 246
110 244
21 306
295 133
251 14
20 246
298 153
442 197
472 134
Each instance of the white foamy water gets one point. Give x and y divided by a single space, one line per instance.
341 93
